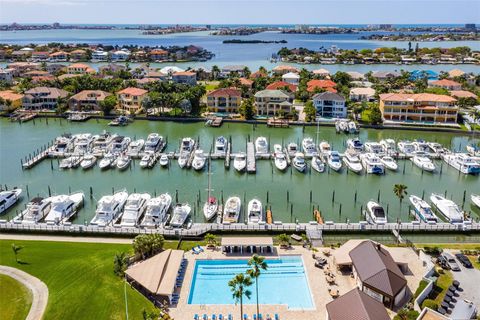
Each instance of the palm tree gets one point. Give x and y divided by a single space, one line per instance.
238 285
475 117
400 190
284 239
211 239
256 263
16 249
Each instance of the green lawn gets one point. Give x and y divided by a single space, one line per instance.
474 261
15 299
440 288
79 277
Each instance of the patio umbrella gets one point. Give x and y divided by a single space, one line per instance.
455 283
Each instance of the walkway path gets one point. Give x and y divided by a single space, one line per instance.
38 288
6 236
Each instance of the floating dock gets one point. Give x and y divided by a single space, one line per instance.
251 161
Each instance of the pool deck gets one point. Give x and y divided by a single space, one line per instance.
316 280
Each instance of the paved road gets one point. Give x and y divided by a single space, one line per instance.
7 236
38 288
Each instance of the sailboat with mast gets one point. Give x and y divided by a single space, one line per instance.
210 207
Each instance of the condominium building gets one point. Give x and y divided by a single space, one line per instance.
422 107
270 102
130 99
224 100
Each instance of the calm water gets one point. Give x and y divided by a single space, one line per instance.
252 55
17 141
283 276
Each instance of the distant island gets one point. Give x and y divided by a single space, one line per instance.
239 41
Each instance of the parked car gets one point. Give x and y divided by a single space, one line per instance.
442 262
451 262
464 260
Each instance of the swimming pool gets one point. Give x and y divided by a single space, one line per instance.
284 282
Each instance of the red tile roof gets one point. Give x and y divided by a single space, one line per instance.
133 91
280 85
223 92
446 83
246 82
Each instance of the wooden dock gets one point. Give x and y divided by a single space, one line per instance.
251 161
227 155
278 123
36 159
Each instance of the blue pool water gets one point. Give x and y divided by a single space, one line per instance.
284 282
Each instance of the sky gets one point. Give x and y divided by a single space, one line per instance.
241 11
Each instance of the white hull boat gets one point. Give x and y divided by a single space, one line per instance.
447 208
240 162
309 148
134 209
64 207
123 162
135 148
423 163
318 164
372 164
210 208
255 211
475 199
157 211
352 161
389 146
292 149
324 147
164 160
462 162
119 144
334 161
199 160
147 161
280 160
423 211
221 146
153 143
299 163
374 147
375 213
389 163
231 212
355 144
9 198
181 212
107 161
36 210
88 161
261 146
406 147
182 160
109 209
187 145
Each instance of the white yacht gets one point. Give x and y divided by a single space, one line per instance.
231 212
101 143
309 148
255 211
324 147
164 160
423 162
375 213
187 145
473 150
389 163
421 146
109 208
157 210
352 127
406 147
447 208
299 163
88 161
70 162
107 161
134 209
199 160
9 198
153 143
374 147
221 146
389 146
475 199
422 209
352 161
372 163
119 144
436 147
147 160
183 159
280 158
462 162
181 212
62 145
64 207
355 144
210 207
240 161
334 161
82 143
36 210
123 162
135 147
261 145
292 149
317 164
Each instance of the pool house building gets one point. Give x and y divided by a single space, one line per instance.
247 245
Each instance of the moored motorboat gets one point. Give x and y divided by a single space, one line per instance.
153 143
372 164
423 162
107 161
389 146
334 161
88 161
423 211
147 160
134 209
462 162
123 162
240 161
231 212
406 147
292 149
374 147
109 208
119 144
8 198
157 210
221 146
210 208
199 160
375 213
352 127
261 146
352 161
164 160
317 164
299 163
181 212
389 163
475 199
355 144
36 210
447 208
255 211
135 147
280 159
64 207
324 147
308 146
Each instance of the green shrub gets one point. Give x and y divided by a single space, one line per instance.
430 304
420 288
406 314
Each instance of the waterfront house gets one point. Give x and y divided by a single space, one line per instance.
258 74
80 68
21 55
10 100
357 305
53 68
292 78
446 84
131 99
99 56
321 73
224 100
270 102
186 77
38 79
120 55
421 107
283 69
40 56
87 100
7 74
330 105
362 94
235 69
356 75
111 68
19 68
143 82
383 76
246 82
40 98
282 85
463 94
326 85
158 55
78 55
454 73
153 74
377 274
35 73
59 56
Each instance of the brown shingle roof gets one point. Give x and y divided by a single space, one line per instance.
89 94
10 95
224 92
376 268
133 91
446 83
463 94
356 305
